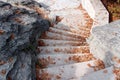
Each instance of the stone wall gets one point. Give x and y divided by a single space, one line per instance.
97 11
105 43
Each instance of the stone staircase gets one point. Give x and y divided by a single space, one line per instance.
64 53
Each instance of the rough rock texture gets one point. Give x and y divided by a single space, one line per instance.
28 3
22 68
19 31
59 4
5 67
105 43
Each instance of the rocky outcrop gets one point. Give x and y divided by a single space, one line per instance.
105 43
19 30
30 5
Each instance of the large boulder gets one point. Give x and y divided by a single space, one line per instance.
22 68
105 43
19 30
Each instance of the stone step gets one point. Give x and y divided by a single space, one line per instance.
77 21
105 74
63 13
52 60
69 72
68 33
64 4
71 28
56 36
64 26
64 49
82 31
50 42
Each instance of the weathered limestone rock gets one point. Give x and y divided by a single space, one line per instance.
19 31
31 5
5 67
105 43
22 68
27 3
59 4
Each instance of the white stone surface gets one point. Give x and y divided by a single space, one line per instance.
56 36
51 42
59 4
97 11
64 49
57 39
105 74
105 43
64 4
63 13
69 72
71 28
68 33
75 21
63 59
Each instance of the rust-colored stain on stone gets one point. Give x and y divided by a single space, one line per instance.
105 71
43 75
58 19
1 32
18 12
17 20
116 71
77 58
2 62
12 36
98 65
58 77
3 72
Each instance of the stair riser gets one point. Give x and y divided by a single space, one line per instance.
62 59
81 32
60 43
105 74
71 34
72 50
67 72
55 36
69 28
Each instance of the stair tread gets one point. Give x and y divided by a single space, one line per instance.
56 36
52 60
82 30
105 74
68 12
66 49
76 21
68 33
71 71
71 29
51 42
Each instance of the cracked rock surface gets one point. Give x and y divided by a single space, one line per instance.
19 30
